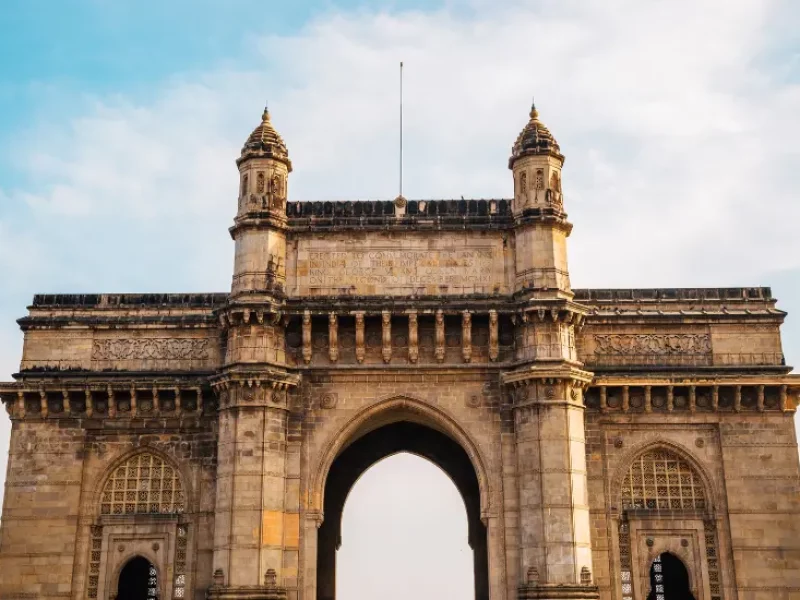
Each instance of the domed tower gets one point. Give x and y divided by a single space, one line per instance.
259 229
548 379
536 161
538 208
253 384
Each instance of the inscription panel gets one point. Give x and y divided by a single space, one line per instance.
327 268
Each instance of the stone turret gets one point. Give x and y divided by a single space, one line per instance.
259 230
536 161
538 208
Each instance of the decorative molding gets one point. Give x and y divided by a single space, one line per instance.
633 344
151 349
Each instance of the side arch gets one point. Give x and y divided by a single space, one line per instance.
389 410
660 443
107 475
123 562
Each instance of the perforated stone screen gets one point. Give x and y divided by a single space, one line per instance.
144 484
661 480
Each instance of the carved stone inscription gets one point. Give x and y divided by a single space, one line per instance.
402 268
151 349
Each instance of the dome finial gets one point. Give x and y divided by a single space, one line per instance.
265 115
534 112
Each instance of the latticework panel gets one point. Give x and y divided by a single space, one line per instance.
661 480
144 484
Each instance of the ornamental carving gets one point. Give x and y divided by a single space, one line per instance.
660 344
151 348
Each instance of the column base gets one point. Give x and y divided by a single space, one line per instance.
552 591
245 592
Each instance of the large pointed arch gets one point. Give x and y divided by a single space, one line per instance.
390 426
393 409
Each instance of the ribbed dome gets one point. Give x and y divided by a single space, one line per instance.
534 139
265 142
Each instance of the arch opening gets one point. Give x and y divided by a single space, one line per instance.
669 579
375 445
138 580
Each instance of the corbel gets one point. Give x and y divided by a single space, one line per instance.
386 324
439 351
307 337
413 337
360 351
466 336
333 337
494 338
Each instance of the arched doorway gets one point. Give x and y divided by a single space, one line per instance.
138 580
402 436
669 579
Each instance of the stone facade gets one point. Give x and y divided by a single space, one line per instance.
590 432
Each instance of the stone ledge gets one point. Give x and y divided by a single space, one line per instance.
551 591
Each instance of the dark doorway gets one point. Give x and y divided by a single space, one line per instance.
402 436
138 580
669 579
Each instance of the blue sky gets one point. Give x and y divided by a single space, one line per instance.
120 122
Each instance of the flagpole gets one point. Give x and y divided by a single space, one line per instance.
401 128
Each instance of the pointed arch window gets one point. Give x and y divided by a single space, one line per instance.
662 480
144 484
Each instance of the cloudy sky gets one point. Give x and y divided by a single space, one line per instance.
120 122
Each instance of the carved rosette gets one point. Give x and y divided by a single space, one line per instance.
413 338
439 351
386 350
360 352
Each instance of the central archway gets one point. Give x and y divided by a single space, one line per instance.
389 439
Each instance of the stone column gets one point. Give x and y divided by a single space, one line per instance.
253 530
555 539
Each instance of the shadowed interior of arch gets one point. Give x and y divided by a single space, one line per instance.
669 579
138 580
379 443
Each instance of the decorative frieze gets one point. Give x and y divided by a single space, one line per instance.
151 349
650 348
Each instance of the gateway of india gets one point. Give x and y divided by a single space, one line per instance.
614 444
